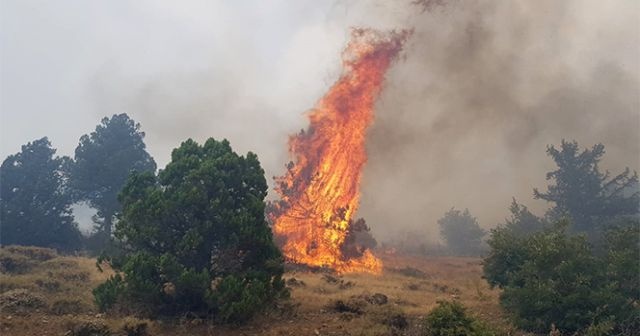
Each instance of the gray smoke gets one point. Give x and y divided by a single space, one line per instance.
485 87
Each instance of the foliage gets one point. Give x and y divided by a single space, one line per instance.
551 277
106 294
35 207
461 232
103 161
522 222
450 318
195 237
584 194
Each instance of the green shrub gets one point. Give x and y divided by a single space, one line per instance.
451 319
550 278
106 294
194 239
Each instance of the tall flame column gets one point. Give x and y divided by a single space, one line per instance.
320 191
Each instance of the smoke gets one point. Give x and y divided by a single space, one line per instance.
463 120
485 87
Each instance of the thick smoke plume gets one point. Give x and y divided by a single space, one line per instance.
484 88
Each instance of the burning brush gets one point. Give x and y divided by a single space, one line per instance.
320 190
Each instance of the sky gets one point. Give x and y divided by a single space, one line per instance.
464 119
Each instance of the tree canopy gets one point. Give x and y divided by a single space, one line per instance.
195 237
461 232
34 202
582 193
102 163
522 221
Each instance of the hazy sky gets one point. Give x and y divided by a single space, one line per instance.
464 119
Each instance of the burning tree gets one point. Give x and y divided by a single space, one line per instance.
320 190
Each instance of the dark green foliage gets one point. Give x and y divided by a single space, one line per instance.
451 319
195 237
550 277
34 201
461 232
106 294
584 194
103 161
522 222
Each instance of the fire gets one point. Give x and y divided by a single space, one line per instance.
320 191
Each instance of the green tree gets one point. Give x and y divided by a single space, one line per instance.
103 161
34 202
461 232
550 277
195 238
584 194
522 222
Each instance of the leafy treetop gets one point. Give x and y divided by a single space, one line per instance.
584 194
34 202
103 161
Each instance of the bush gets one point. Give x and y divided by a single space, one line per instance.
106 294
462 233
391 316
574 288
194 239
450 318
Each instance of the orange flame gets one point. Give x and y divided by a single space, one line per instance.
320 191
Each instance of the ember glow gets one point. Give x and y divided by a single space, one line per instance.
320 191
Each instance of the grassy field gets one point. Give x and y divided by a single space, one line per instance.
42 293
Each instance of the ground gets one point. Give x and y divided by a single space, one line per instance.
43 293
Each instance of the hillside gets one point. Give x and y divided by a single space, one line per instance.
43 293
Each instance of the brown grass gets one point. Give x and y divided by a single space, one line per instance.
66 284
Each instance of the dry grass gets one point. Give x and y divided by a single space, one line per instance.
412 286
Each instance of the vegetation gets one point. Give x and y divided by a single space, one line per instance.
581 192
103 161
195 238
522 222
450 318
65 284
35 207
585 283
574 287
461 232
